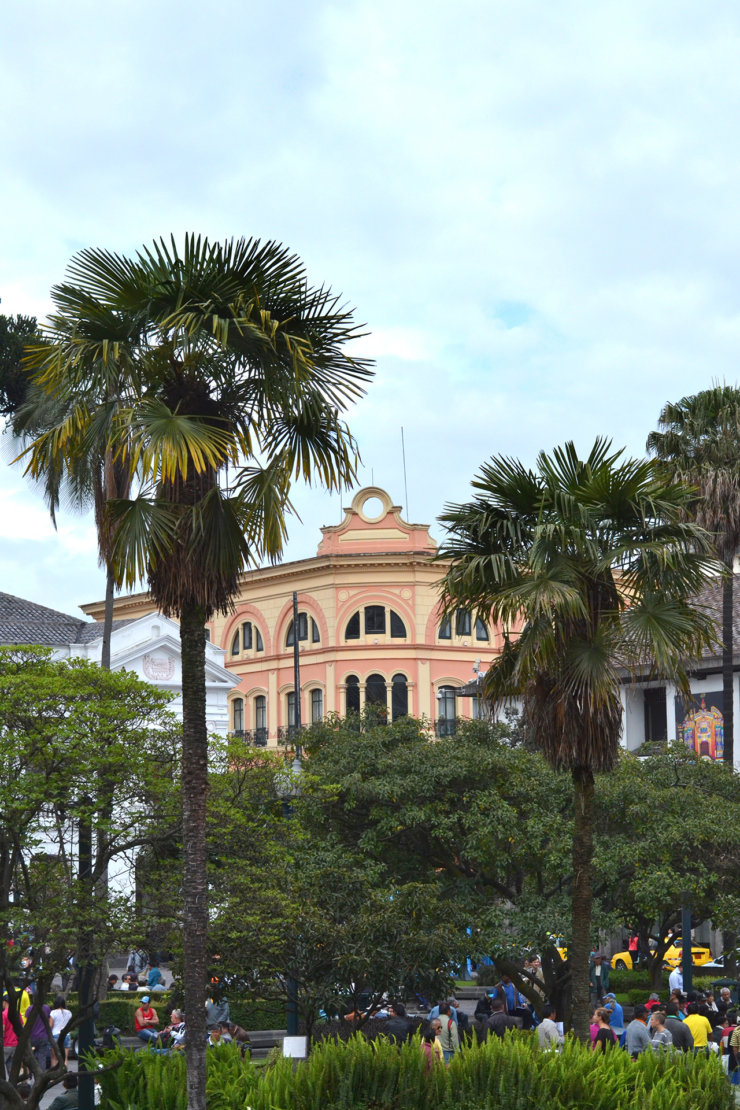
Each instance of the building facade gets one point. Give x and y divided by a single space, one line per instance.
369 630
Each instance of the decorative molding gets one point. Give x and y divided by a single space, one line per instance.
159 668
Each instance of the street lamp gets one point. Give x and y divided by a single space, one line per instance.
287 788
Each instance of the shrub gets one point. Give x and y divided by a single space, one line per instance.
360 1075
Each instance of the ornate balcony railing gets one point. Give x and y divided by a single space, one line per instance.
255 736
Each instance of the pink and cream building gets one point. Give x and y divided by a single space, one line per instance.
369 630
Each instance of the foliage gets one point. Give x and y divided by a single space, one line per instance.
17 334
66 727
290 905
587 566
187 364
699 443
360 1075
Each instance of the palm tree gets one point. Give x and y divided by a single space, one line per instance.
229 374
594 563
699 443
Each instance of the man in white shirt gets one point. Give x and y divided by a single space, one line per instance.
675 979
548 1033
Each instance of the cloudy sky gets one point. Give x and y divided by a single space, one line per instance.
532 205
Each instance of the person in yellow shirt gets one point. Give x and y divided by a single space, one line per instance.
701 1029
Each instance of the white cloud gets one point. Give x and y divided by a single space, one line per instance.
532 205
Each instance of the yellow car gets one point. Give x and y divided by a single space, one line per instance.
700 954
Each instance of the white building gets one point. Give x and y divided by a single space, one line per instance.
148 646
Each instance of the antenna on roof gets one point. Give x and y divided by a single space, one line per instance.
405 486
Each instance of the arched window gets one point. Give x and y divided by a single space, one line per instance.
260 720
445 629
352 631
399 696
446 711
237 713
375 692
398 628
374 620
258 637
303 630
317 706
481 632
462 622
235 643
352 694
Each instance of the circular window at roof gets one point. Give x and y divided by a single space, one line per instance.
373 508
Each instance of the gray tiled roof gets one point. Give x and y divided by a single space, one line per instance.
25 622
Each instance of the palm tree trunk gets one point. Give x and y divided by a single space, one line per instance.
728 703
194 787
107 619
583 851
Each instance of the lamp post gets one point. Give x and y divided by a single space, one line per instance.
296 679
287 787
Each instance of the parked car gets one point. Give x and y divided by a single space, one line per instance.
700 955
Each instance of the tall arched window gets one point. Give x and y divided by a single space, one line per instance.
399 696
398 628
352 694
260 720
237 713
352 631
445 629
317 706
375 692
446 711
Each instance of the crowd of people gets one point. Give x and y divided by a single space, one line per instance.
694 1022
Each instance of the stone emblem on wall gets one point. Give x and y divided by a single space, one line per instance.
159 668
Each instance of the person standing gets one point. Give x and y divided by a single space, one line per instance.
430 1045
605 1035
637 1038
700 1026
448 1038
10 1039
679 1030
598 978
548 1034
675 979
661 1038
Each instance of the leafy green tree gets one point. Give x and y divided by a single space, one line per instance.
63 724
17 334
587 565
292 904
667 823
699 444
228 368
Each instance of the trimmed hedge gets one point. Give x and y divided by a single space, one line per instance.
360 1075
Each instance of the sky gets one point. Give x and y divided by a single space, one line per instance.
531 206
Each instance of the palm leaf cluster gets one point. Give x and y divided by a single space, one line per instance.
588 566
219 359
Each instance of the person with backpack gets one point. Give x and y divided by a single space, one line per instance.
449 1037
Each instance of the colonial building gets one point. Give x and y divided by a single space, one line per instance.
369 630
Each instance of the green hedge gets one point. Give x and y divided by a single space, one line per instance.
360 1075
120 1012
